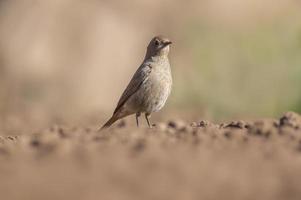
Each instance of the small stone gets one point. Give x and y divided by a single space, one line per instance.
204 123
236 124
194 124
176 124
290 119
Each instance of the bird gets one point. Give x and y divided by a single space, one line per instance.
150 86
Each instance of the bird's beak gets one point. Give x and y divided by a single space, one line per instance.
167 43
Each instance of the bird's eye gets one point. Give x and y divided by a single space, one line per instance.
157 43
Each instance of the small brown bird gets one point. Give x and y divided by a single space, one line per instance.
150 86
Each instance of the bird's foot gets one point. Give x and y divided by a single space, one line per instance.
151 126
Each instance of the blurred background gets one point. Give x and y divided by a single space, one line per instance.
63 61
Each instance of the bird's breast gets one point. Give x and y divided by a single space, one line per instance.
157 89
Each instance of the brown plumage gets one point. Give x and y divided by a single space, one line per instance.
150 86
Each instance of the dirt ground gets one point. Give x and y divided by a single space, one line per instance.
258 159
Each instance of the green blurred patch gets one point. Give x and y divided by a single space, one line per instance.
243 72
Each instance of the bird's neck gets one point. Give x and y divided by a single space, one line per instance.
156 58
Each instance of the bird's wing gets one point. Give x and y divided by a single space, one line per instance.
140 76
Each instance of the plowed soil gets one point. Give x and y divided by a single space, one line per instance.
258 159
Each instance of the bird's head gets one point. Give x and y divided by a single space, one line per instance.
158 46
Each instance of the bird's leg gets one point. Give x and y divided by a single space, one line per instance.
137 118
147 117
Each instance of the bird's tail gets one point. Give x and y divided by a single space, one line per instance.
109 122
